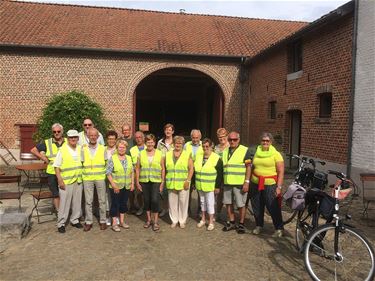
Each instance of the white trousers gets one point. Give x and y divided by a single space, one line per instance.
71 196
178 205
207 201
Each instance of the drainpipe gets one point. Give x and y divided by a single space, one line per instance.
242 79
351 106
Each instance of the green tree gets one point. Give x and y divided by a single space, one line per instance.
70 109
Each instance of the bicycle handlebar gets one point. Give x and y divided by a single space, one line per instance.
339 175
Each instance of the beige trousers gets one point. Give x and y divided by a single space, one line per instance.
70 197
178 205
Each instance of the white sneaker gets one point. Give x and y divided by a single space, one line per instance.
108 221
139 212
182 225
201 223
210 227
257 230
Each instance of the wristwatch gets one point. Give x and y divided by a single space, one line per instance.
247 181
280 187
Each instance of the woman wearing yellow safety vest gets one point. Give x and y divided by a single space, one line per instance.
150 175
179 171
208 177
121 179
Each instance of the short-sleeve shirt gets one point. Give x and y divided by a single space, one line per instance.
266 167
42 146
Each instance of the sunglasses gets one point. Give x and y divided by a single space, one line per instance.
87 125
232 139
56 132
266 140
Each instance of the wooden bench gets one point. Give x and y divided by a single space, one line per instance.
5 195
368 190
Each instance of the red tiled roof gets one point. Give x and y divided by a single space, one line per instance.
56 25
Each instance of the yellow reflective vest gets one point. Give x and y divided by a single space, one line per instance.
71 169
134 152
51 152
205 175
93 166
235 168
189 149
176 173
121 176
150 171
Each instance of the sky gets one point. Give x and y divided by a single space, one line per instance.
276 9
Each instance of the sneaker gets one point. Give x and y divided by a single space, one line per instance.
163 213
257 230
108 221
278 233
182 225
124 225
201 223
61 229
116 228
241 229
210 227
139 212
173 225
77 225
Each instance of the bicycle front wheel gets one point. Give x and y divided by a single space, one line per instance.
353 261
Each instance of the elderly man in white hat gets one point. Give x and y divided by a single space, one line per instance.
68 168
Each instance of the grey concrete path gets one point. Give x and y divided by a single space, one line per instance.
141 254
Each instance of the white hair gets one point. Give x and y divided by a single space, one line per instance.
195 131
57 125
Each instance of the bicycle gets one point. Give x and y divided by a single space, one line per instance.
336 250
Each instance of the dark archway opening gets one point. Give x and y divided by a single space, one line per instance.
186 98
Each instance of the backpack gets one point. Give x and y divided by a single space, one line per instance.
295 197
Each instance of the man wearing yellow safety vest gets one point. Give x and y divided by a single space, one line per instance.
139 138
47 151
94 157
237 170
194 148
68 168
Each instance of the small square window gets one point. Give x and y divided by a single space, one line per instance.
272 110
325 105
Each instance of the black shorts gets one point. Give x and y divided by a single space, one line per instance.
53 185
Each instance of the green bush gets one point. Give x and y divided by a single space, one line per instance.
70 109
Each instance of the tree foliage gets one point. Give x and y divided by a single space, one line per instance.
70 109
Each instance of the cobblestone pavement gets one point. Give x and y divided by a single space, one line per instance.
141 254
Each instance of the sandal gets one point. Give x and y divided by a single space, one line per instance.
147 224
155 227
241 229
229 226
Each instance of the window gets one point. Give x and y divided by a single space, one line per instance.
325 105
272 110
295 57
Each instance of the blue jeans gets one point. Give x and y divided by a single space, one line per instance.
119 202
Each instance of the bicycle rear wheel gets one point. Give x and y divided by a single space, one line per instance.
355 259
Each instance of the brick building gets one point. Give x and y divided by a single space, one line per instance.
290 78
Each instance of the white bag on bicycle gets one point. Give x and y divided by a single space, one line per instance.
295 197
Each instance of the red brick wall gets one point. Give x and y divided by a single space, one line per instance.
326 63
30 79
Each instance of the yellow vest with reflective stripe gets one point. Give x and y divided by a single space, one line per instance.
151 172
189 149
51 152
205 175
234 169
71 170
93 167
134 152
176 173
121 177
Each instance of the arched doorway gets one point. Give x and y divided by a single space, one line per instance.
184 97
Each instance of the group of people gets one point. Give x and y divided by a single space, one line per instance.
159 177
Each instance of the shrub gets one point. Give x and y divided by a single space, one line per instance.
70 109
